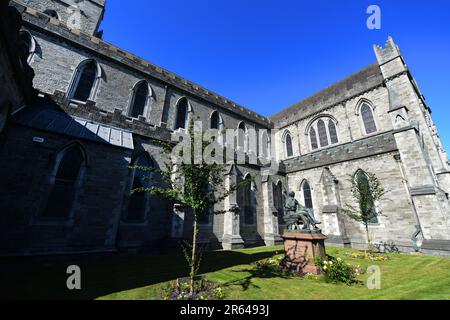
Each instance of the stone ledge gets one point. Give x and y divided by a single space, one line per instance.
367 147
436 245
423 190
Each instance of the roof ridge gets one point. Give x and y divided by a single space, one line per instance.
295 107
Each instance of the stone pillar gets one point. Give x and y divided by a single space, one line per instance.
271 229
231 230
333 222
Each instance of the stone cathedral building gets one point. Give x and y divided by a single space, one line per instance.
65 157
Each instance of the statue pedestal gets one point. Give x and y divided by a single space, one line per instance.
301 251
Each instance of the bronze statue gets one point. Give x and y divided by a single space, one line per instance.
297 215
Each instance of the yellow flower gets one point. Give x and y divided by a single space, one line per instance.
325 268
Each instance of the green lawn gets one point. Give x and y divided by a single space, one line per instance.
403 277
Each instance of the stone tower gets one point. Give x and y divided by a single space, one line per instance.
84 15
421 157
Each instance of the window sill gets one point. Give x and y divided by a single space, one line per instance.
327 147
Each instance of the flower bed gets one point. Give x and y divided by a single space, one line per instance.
367 256
204 290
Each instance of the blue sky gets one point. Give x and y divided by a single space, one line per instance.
267 54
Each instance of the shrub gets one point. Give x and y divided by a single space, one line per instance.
272 266
337 271
204 290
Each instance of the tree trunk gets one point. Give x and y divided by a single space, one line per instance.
194 255
369 241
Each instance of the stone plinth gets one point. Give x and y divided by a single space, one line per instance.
301 251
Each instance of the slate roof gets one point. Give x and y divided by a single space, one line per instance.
357 83
55 121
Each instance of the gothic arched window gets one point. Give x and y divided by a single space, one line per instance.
364 190
333 132
65 180
313 139
182 114
368 119
278 202
324 128
139 100
85 81
288 147
215 121
139 202
307 195
322 133
246 197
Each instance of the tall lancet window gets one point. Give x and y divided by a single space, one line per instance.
139 202
363 185
289 149
139 100
85 81
333 133
307 196
215 121
313 139
65 180
247 201
368 119
182 114
278 201
322 133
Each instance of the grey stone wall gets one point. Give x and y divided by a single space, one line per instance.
25 168
408 157
85 15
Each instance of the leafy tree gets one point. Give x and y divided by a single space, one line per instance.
366 190
192 183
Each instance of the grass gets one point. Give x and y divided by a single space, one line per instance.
134 278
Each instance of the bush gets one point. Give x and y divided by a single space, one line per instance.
204 290
337 271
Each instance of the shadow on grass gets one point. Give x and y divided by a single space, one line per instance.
257 273
109 274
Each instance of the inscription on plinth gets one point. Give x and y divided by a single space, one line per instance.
302 249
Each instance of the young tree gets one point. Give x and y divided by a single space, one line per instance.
192 182
366 190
